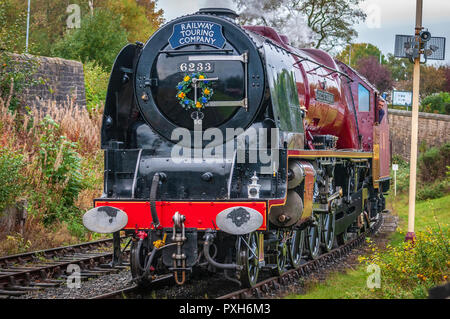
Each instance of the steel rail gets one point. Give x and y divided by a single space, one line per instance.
48 253
44 268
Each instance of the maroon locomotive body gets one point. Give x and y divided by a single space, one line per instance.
305 168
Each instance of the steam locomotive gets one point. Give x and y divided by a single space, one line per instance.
230 150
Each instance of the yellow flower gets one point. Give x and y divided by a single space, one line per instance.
206 91
186 78
181 95
201 77
198 105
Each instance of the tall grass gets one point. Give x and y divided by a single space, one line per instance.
53 142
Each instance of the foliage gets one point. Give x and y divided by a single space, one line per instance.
96 85
446 70
12 24
330 22
48 22
62 167
154 16
99 39
139 19
376 73
61 176
11 186
436 103
434 190
18 242
358 51
410 269
15 74
401 69
432 80
433 163
433 174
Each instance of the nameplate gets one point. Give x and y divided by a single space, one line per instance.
197 32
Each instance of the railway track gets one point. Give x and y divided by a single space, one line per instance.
42 269
273 285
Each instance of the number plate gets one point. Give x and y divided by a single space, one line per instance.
196 67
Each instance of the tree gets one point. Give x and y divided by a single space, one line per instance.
401 69
139 18
154 16
376 73
11 23
48 23
99 39
432 80
446 70
324 24
436 103
357 51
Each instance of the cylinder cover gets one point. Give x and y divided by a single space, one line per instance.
288 214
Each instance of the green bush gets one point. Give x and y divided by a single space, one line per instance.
433 173
96 85
61 174
11 185
99 40
433 163
402 174
409 270
436 103
435 190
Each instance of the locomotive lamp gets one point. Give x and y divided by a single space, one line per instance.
105 219
253 188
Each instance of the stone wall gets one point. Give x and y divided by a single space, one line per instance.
434 130
63 83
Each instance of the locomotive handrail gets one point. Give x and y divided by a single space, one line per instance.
243 58
319 65
194 51
241 103
303 58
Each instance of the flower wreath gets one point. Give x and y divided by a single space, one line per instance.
184 87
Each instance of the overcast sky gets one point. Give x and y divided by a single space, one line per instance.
385 18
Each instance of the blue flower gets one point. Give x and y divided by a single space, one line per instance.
180 87
206 82
204 100
186 102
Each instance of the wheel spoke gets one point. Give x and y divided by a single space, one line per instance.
250 258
